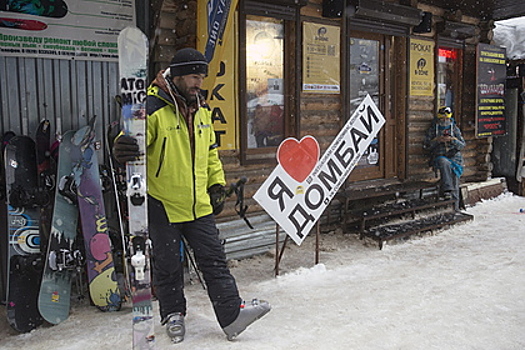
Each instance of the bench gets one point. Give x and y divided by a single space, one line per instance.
397 190
398 208
385 233
401 198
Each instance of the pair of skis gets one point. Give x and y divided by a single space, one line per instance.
133 51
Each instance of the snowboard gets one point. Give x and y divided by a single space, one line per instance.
24 259
22 24
116 207
46 179
133 49
102 280
61 258
44 8
3 220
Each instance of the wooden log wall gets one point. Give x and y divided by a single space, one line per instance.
478 165
175 28
321 115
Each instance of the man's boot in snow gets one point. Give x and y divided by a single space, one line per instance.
175 327
249 313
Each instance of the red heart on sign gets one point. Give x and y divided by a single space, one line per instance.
298 158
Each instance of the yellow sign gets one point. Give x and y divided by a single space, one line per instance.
321 62
220 84
421 67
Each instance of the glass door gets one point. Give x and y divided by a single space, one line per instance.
367 77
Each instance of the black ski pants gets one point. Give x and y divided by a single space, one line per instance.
203 237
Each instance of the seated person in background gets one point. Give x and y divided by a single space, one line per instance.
444 142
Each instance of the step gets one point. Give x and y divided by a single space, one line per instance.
385 233
355 193
398 208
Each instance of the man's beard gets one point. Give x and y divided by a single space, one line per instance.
190 98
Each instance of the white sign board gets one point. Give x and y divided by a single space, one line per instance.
62 29
299 189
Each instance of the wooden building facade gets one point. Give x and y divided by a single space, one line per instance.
373 45
292 68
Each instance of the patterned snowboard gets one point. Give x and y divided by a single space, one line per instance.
61 258
24 258
103 286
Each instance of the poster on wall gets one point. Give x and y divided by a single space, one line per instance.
321 62
64 29
491 75
421 67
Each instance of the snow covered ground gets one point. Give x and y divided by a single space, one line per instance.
461 288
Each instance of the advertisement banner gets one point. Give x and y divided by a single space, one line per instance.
421 67
491 75
64 29
321 62
300 188
216 39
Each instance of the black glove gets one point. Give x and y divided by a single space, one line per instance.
126 149
217 197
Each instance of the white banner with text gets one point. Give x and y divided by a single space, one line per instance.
300 188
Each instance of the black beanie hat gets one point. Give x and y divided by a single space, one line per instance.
188 61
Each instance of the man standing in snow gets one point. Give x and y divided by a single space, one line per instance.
444 142
185 190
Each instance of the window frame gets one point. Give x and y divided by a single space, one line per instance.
265 155
376 172
457 76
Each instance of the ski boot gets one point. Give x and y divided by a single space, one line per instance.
175 327
249 313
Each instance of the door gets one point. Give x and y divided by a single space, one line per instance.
370 72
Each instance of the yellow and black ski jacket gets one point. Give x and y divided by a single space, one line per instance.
182 156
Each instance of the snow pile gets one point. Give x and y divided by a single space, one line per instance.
511 35
461 288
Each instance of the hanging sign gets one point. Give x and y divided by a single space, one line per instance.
491 75
60 29
321 60
300 188
421 67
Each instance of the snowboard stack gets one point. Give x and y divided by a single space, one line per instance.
133 50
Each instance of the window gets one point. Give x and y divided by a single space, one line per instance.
447 77
268 91
264 82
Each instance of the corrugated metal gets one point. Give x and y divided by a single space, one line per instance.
67 92
242 242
